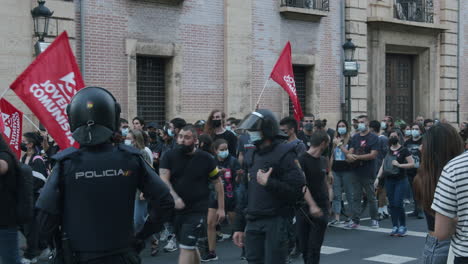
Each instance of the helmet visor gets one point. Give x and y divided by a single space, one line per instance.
252 122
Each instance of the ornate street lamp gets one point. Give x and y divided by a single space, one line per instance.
350 69
41 15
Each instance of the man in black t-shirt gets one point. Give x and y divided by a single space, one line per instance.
363 152
311 228
188 172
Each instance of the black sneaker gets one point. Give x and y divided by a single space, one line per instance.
209 257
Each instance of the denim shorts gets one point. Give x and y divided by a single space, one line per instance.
435 251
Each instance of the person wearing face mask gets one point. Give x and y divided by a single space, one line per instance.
175 125
228 166
215 127
307 130
123 127
393 168
341 171
289 127
275 184
135 139
30 145
414 146
188 171
387 125
363 153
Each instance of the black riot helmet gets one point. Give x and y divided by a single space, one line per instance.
264 121
94 115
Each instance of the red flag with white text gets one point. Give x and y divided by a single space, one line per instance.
48 85
12 120
283 75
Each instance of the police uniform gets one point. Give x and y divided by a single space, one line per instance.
265 216
89 198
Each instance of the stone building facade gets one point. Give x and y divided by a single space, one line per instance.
17 42
168 58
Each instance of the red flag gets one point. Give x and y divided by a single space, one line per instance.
48 85
283 75
12 120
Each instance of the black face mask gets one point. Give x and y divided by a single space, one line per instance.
393 141
153 135
185 149
308 127
23 147
216 123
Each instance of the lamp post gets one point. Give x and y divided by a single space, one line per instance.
41 15
350 69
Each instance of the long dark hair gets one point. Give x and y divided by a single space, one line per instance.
440 144
209 130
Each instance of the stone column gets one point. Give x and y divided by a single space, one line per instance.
238 57
356 29
448 60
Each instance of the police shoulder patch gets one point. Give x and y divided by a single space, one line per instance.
65 153
129 149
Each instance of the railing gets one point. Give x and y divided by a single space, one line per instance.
415 10
311 4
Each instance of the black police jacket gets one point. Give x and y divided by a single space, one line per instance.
90 194
283 189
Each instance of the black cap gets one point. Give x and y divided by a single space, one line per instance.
152 125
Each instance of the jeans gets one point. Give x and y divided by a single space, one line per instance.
140 213
435 251
9 246
363 181
341 181
311 232
396 191
266 240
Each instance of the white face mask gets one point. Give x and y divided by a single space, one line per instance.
255 136
128 142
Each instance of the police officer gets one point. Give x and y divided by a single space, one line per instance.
275 183
89 196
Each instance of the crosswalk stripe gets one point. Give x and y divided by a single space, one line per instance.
331 250
390 259
385 230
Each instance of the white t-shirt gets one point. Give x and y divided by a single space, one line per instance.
451 200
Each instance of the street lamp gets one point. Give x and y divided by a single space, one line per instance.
350 69
41 15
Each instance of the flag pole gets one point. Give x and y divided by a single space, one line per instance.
32 123
4 92
260 97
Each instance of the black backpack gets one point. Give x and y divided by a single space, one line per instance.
23 195
388 168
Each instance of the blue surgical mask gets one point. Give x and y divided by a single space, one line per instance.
415 133
128 142
408 133
342 130
125 131
228 128
362 127
383 125
255 136
170 133
223 154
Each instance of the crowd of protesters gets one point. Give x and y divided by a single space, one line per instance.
371 164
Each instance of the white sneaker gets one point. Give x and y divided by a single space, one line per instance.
45 254
164 235
375 224
171 245
28 261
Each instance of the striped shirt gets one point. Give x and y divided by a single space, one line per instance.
451 200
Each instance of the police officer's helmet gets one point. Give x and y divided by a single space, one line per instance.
262 120
94 115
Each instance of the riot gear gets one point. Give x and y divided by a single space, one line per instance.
94 115
263 121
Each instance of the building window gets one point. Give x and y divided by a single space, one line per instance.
415 10
312 4
151 88
300 76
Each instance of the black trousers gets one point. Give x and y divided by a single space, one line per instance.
311 232
130 257
266 240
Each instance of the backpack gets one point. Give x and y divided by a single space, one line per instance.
23 195
388 168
